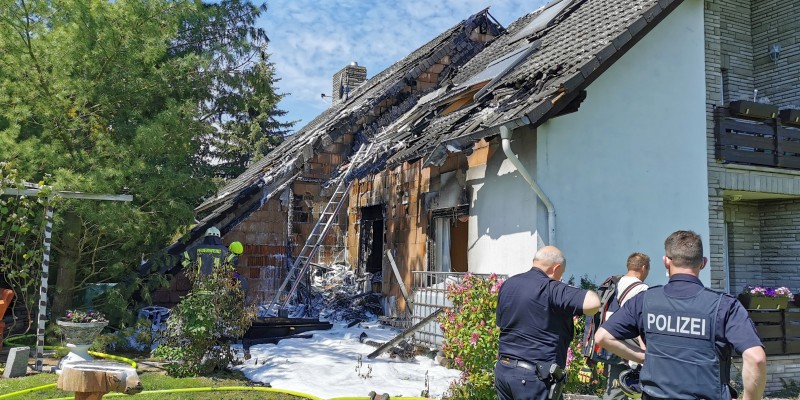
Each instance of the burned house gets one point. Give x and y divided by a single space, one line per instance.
273 207
599 126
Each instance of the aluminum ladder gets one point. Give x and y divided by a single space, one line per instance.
317 235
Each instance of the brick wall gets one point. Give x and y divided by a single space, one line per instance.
736 32
735 47
402 191
347 80
744 241
786 367
739 34
263 235
777 22
764 243
780 243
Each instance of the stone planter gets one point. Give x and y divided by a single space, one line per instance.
763 303
79 337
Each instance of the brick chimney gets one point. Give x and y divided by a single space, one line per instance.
347 80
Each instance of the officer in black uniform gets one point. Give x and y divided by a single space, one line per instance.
689 331
534 314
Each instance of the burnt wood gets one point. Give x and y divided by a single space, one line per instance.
264 328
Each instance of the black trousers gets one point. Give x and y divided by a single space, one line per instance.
517 383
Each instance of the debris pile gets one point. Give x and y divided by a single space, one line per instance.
337 294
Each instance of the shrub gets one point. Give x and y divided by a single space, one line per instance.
471 341
201 328
471 334
583 376
22 223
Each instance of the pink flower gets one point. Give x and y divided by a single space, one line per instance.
459 361
570 356
474 338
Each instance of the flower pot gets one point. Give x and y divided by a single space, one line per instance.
80 333
79 337
763 303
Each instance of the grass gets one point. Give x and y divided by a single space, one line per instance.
150 381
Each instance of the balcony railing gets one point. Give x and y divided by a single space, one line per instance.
430 294
779 330
756 142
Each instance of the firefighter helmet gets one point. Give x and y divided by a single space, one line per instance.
236 248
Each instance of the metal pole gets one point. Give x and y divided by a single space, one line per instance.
48 233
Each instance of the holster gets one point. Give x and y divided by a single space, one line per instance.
553 376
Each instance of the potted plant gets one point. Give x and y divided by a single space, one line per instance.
80 328
765 298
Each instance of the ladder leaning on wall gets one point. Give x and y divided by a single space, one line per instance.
317 235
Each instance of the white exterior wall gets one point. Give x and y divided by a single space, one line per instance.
502 234
623 172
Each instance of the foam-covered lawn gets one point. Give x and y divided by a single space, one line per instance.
151 381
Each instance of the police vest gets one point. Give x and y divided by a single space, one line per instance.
682 359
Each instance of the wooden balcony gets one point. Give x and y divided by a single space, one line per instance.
779 330
765 142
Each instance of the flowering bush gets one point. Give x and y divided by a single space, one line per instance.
471 335
84 316
583 376
759 291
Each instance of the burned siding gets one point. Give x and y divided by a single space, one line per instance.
405 192
264 237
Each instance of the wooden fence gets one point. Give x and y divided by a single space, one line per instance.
756 142
779 330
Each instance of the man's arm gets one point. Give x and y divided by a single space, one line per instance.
591 303
754 372
619 347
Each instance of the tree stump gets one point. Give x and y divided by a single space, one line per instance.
91 380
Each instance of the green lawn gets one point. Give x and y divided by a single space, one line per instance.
151 381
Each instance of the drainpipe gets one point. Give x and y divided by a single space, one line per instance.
505 134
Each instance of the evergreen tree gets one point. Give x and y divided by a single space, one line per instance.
153 98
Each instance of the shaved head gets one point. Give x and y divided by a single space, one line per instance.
549 255
550 260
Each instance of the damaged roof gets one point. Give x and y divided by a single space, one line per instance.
566 54
527 74
397 84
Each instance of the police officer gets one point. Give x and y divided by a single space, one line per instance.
689 332
534 314
209 254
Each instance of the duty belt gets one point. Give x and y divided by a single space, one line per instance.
513 363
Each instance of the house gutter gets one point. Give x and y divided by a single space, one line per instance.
506 131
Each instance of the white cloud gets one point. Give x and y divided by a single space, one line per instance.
312 39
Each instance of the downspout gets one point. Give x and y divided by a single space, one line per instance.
505 134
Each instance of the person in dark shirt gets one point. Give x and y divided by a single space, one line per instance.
535 313
689 332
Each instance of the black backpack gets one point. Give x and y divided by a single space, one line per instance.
608 303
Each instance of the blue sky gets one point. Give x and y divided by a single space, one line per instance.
311 40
